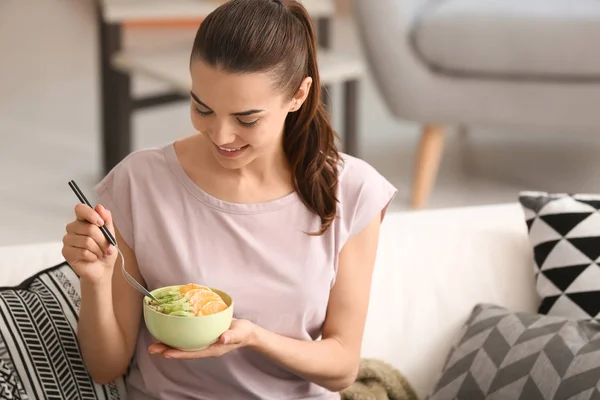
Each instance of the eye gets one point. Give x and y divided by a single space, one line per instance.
202 113
248 124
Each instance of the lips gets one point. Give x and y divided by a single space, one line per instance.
231 149
230 152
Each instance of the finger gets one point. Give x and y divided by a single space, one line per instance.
226 338
74 254
234 335
214 350
106 215
157 348
84 213
83 243
86 229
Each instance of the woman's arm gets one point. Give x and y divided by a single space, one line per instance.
107 330
333 361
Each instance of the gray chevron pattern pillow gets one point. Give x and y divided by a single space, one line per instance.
504 355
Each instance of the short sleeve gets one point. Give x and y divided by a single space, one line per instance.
364 194
115 194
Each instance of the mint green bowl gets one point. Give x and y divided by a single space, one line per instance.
188 333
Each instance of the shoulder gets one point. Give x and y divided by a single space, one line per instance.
138 166
363 192
355 172
360 181
142 162
128 183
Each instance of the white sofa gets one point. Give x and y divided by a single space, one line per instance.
432 268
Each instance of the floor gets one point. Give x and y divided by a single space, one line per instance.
45 144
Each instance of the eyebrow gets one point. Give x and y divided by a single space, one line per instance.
237 114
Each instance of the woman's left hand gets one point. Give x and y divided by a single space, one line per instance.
238 335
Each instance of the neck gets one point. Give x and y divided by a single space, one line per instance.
269 169
273 167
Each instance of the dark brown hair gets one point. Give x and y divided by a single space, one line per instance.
278 37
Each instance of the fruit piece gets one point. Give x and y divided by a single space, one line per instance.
213 307
193 292
204 301
198 308
166 293
168 298
191 286
203 296
190 293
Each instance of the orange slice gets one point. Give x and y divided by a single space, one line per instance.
188 295
213 307
197 306
191 286
202 296
192 292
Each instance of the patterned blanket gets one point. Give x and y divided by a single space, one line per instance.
378 380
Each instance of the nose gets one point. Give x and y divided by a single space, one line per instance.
222 133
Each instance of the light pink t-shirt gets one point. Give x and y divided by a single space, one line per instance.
279 276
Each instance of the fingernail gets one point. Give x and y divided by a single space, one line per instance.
152 353
225 339
100 221
110 250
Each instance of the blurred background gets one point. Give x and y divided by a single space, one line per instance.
461 102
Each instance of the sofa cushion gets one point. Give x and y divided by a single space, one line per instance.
510 39
517 355
445 261
39 352
564 231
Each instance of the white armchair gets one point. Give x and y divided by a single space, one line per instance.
506 63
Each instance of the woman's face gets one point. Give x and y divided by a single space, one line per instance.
241 115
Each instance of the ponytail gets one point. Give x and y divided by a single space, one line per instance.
309 139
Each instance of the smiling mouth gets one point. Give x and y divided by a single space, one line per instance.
231 150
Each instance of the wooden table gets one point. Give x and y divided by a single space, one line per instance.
117 11
117 104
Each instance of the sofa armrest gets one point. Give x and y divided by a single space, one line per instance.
21 261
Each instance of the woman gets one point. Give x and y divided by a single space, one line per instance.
260 204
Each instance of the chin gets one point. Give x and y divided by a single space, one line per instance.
233 163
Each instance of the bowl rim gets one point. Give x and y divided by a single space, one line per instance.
146 300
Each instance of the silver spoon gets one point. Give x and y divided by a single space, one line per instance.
112 241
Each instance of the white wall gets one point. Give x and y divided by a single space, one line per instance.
47 67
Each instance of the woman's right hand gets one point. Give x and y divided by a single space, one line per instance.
86 249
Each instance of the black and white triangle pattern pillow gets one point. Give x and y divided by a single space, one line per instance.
564 231
39 352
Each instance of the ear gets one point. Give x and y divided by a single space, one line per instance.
301 95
